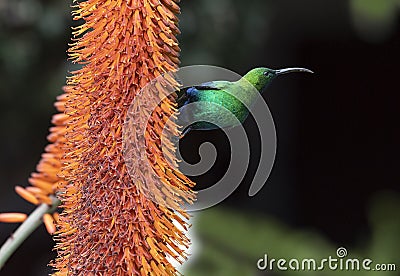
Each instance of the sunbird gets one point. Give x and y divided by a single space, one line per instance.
232 96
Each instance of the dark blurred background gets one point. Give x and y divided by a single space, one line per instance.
335 180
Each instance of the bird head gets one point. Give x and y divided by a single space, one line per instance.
261 77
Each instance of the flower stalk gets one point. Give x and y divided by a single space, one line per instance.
25 230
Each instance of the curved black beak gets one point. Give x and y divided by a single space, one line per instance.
292 70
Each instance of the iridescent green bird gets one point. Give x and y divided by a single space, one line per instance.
202 103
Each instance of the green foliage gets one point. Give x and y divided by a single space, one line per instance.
374 20
231 242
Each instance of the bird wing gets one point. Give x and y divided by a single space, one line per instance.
189 94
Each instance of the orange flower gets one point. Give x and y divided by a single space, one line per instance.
108 226
45 181
13 217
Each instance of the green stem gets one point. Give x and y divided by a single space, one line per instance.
25 229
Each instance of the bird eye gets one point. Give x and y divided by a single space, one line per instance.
267 74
